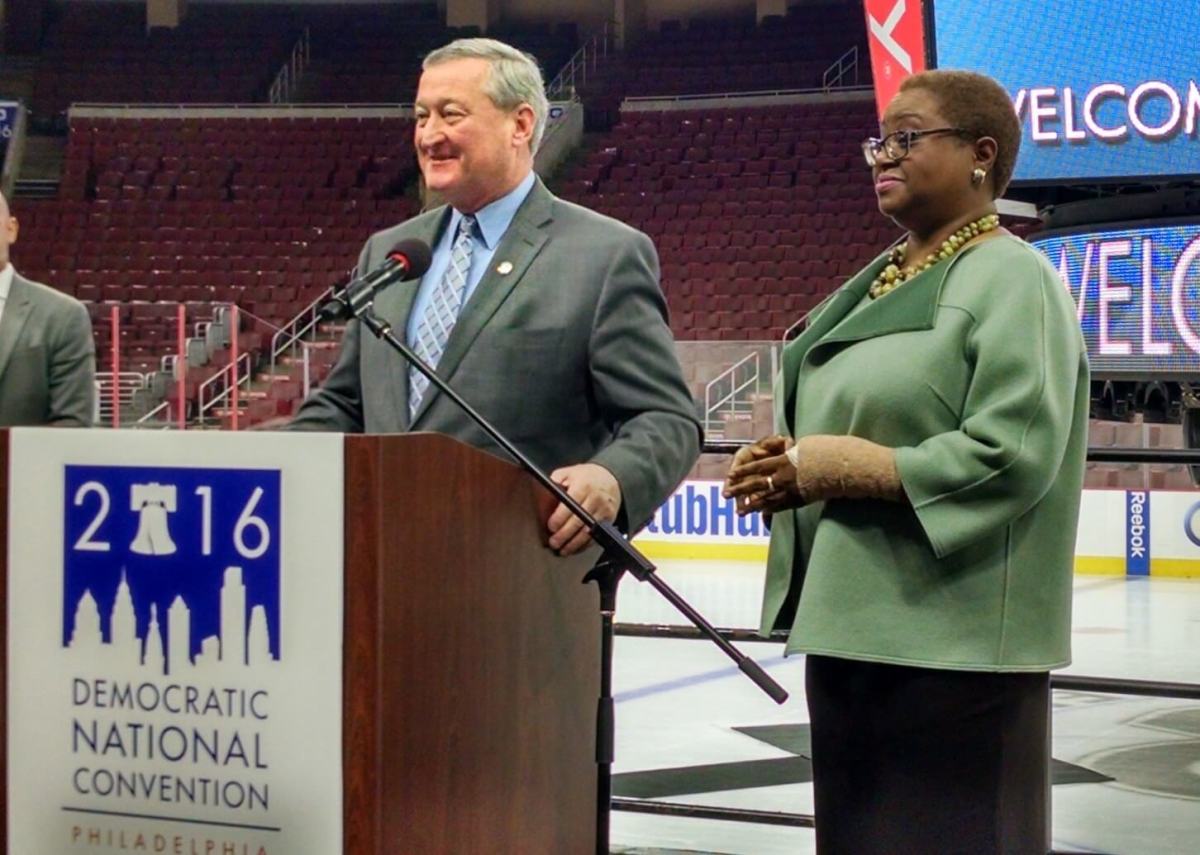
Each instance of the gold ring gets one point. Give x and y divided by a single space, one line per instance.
771 483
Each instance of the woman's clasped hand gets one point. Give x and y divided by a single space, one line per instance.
777 473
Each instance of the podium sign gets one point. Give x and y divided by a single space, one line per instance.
174 643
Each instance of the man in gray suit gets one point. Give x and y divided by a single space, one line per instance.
47 356
546 316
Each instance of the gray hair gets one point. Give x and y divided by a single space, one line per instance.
515 78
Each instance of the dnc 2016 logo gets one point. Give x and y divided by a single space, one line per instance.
172 570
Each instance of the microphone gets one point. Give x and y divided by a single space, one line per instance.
408 259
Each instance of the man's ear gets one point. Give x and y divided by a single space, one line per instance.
525 122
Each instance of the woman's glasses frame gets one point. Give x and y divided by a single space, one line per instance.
898 144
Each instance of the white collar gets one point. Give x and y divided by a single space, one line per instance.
6 277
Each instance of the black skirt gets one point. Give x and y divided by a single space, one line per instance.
926 761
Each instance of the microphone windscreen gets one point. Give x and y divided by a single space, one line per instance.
416 254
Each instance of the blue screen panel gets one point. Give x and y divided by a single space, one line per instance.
1137 294
1105 89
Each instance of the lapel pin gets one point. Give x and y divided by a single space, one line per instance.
504 268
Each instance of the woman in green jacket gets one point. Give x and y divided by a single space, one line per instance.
924 494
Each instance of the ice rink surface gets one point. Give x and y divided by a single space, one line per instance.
691 729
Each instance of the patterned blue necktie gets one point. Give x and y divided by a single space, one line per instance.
442 312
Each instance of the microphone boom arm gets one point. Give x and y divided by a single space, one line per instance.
619 553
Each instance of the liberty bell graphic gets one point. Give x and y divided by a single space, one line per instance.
152 502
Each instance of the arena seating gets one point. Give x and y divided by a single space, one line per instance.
757 212
375 56
731 55
156 199
721 55
369 58
225 53
230 53
267 213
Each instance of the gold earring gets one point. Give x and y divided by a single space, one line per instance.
978 175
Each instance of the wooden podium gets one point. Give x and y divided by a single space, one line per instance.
471 658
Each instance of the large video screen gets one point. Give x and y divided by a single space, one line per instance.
1105 89
1137 294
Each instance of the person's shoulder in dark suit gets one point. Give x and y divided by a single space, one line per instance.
573 215
51 299
65 331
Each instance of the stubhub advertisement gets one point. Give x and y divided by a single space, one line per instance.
1121 532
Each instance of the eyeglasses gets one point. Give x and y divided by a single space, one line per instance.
897 144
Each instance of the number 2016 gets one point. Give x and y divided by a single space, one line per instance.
247 522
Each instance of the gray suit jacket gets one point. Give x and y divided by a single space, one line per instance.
568 354
47 358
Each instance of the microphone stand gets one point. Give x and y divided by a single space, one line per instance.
619 556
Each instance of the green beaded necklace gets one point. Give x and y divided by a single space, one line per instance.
894 274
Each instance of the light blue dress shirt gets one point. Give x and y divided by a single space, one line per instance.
492 221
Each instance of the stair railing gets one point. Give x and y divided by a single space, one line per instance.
730 393
584 62
845 66
285 83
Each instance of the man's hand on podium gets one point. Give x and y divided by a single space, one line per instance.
597 490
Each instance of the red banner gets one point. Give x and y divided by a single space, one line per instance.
896 32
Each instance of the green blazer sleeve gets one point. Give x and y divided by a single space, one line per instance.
1024 350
